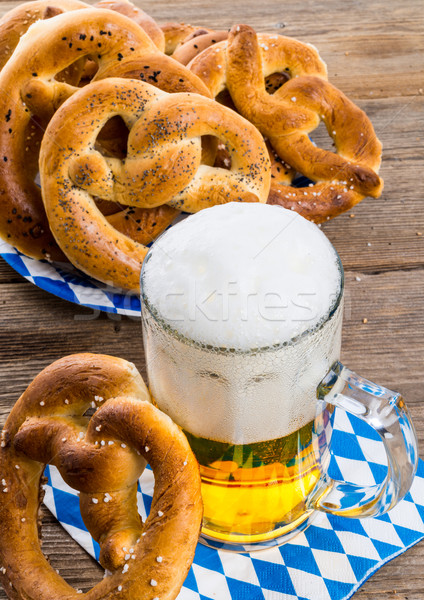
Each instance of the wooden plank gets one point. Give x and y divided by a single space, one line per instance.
371 42
391 223
8 275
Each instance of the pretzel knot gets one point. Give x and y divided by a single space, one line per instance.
163 165
287 115
102 457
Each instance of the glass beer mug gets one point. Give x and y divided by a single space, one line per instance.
259 419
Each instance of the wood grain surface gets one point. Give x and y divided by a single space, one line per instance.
374 53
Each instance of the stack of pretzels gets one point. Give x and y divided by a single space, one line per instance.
127 124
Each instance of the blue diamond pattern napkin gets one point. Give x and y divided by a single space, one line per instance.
328 561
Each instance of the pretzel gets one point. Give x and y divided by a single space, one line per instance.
146 225
17 21
143 225
31 94
145 21
184 42
343 178
175 33
275 54
102 457
163 165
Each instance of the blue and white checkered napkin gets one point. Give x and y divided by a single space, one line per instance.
328 561
67 282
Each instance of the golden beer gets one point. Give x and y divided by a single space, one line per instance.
255 492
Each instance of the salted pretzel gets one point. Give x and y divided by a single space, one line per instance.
275 54
31 94
344 177
287 116
102 457
163 165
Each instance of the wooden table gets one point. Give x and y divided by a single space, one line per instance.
374 52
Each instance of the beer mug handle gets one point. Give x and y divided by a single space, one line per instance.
386 413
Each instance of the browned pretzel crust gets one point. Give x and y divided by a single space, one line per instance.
31 94
275 54
175 33
17 21
145 21
102 457
163 165
287 115
196 42
143 225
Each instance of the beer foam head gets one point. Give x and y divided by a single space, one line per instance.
242 276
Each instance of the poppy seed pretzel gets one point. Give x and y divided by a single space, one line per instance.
102 457
286 117
17 21
32 93
163 166
143 225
